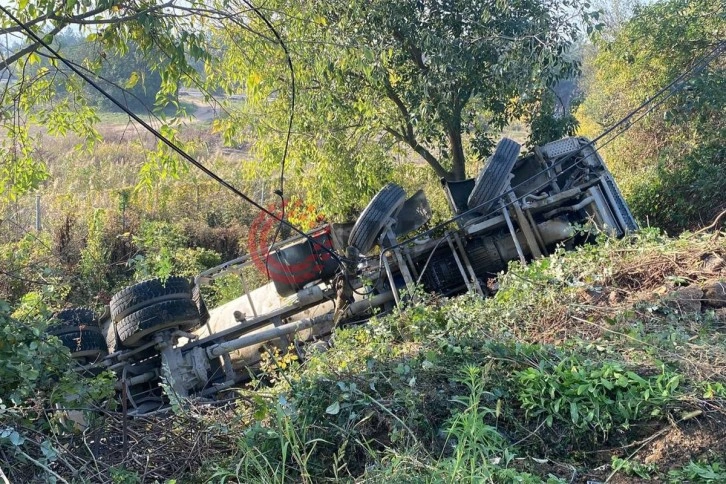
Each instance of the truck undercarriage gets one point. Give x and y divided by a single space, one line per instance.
518 208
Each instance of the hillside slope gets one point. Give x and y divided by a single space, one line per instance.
603 364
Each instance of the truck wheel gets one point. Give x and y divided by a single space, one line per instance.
493 177
199 303
84 343
70 319
373 219
181 313
147 293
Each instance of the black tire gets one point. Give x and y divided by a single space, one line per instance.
148 293
71 319
373 219
79 316
198 301
493 177
179 313
84 343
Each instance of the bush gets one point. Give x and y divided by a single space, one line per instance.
592 396
35 376
684 190
164 251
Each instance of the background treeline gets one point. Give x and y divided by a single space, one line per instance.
672 164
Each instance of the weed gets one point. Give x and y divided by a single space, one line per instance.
701 471
633 468
121 475
474 441
592 396
277 453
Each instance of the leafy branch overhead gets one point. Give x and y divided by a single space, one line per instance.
436 78
122 45
439 70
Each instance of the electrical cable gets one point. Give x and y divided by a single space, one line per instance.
163 138
626 121
281 191
292 92
695 70
703 61
674 86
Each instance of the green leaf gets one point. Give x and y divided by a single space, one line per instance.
16 439
333 408
133 80
574 413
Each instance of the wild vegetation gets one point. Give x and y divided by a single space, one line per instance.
607 361
603 364
671 164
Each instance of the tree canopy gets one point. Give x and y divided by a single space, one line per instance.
441 70
375 80
439 77
671 163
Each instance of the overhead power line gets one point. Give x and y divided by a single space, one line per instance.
163 138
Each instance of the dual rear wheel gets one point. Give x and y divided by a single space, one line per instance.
154 305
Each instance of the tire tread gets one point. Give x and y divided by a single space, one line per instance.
83 340
493 177
147 293
385 204
179 312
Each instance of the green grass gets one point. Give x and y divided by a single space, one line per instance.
472 390
119 117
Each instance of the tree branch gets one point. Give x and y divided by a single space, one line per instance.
64 21
421 151
30 23
393 96
82 19
55 17
409 137
416 53
10 60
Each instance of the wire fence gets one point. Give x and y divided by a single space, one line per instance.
20 217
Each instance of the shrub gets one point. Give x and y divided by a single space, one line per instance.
592 396
34 375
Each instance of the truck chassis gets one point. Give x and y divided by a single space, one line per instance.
518 208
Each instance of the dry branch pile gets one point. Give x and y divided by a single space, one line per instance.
155 448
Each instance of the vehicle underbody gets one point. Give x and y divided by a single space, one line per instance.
519 208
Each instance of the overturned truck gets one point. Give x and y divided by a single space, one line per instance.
518 208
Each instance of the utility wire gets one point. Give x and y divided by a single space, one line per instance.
674 86
627 121
292 93
281 191
163 138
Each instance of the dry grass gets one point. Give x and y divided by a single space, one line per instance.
155 448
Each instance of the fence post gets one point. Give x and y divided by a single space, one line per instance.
37 213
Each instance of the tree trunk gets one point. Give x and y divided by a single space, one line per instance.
458 161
